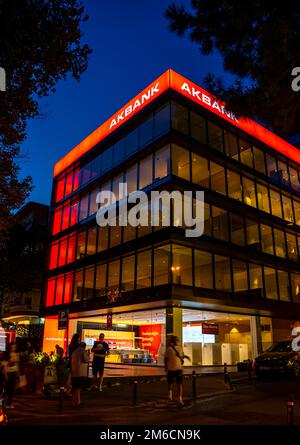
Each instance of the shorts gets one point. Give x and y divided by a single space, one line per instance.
175 375
78 382
98 366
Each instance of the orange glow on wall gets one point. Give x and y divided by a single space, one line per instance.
173 80
53 336
53 256
50 292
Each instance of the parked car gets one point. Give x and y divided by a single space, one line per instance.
278 359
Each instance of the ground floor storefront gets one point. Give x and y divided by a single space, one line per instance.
209 338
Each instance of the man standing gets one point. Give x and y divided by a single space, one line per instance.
100 350
174 360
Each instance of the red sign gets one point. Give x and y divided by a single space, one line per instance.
171 79
109 321
210 328
150 338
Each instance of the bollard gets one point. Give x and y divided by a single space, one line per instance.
290 410
61 399
134 393
249 369
225 373
194 376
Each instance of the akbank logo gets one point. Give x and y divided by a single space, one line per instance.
164 208
296 80
2 79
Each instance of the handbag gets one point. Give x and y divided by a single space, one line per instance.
177 353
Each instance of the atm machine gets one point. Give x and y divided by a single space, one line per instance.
226 353
243 352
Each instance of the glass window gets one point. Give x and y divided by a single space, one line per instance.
263 198
283 283
246 153
231 144
182 265
94 206
65 217
198 127
59 289
100 283
143 269
146 131
128 271
292 246
222 273
271 167
270 283
115 187
249 192
85 173
53 255
180 162
71 249
74 213
62 252
97 166
119 151
220 223
162 162
129 233
279 243
252 234
180 118
76 179
287 208
91 241
69 183
132 142
162 265
89 283
107 159
215 138
266 239
78 285
113 274
200 173
259 160
131 179
295 283
50 292
283 173
234 185
207 219
237 229
56 221
240 275
146 172
84 207
217 178
255 278
294 179
60 189
81 241
68 288
162 120
203 269
297 211
275 203
115 236
102 238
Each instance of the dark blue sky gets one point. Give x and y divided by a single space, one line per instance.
131 46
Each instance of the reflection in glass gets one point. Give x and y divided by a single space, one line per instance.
203 269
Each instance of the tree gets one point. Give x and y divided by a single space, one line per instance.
40 45
259 43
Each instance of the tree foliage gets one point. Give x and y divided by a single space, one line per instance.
41 44
259 43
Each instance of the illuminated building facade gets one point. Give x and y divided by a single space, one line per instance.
227 294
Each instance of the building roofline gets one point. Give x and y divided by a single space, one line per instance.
174 81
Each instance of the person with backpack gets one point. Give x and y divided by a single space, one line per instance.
174 360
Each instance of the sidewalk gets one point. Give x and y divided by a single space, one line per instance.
115 404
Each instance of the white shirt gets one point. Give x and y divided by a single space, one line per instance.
173 361
80 360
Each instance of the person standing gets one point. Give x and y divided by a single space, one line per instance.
79 366
74 344
174 360
11 366
100 350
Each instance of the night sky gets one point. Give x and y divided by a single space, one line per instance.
131 46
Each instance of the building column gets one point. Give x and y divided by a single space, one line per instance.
256 339
173 323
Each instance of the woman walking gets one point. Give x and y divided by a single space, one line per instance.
79 366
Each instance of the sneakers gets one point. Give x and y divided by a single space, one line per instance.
170 396
180 401
100 388
10 406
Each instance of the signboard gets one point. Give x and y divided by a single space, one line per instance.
109 321
63 319
210 328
